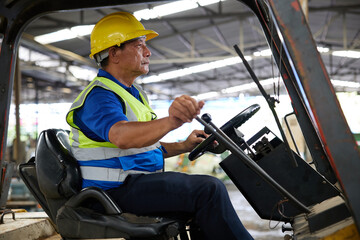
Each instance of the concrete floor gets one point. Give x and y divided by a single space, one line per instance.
258 228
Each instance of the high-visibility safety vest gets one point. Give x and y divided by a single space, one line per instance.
103 164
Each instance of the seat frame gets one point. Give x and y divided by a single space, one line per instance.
53 177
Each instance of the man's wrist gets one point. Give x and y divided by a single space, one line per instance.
183 147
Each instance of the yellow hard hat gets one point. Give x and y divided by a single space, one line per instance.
115 29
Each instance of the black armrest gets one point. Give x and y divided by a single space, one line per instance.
94 193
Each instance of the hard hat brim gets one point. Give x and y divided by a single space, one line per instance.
150 34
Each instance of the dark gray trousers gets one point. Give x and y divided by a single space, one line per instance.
202 196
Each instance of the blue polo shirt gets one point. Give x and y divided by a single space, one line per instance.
101 110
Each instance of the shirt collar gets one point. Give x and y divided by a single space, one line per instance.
132 90
105 74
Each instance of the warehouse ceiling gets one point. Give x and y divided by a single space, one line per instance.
58 71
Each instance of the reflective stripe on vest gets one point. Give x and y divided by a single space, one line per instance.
102 152
108 174
87 150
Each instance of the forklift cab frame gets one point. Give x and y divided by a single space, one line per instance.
315 104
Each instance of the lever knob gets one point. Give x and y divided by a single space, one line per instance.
206 117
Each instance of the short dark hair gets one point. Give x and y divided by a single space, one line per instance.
104 62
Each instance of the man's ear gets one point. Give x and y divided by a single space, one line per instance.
114 55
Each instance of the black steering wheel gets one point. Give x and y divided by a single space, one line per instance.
235 122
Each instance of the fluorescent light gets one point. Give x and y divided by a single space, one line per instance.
340 83
263 53
60 35
247 86
172 8
235 89
145 14
82 30
207 95
61 69
31 56
194 69
265 82
82 73
267 52
323 49
45 61
347 53
24 53
156 12
208 2
64 34
48 63
269 81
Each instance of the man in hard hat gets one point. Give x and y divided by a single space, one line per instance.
115 137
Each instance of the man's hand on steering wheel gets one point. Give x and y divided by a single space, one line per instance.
235 122
194 139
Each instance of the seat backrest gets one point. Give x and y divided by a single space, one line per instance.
57 170
57 183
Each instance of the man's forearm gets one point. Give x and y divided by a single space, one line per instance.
173 149
127 135
176 148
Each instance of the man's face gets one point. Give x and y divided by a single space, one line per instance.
134 57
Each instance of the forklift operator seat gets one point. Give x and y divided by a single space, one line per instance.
53 176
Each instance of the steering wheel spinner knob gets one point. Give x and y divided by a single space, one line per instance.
206 117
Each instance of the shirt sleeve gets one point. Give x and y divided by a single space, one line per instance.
101 110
